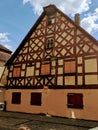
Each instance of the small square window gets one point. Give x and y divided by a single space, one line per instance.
36 99
16 98
49 43
75 100
51 20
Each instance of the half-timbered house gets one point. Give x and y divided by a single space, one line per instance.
55 69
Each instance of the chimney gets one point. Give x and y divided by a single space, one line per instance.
77 18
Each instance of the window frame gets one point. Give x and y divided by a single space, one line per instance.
75 100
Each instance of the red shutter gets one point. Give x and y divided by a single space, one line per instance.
16 72
45 69
70 67
75 100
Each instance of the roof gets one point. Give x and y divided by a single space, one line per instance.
5 53
46 12
3 48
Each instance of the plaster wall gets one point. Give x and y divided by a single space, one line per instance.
54 102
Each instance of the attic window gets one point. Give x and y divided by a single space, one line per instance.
49 43
51 20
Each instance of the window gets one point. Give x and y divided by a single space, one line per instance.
16 98
51 20
75 100
36 99
45 69
70 67
49 43
16 71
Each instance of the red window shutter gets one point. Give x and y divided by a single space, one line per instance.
75 100
16 72
78 100
16 98
70 67
45 69
36 99
67 67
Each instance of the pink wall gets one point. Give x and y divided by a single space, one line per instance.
54 102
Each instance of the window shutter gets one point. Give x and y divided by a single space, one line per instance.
16 98
16 72
70 67
36 99
45 69
75 100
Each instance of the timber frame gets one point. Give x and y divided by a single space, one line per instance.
70 43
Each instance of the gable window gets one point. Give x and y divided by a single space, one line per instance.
70 67
49 43
51 20
16 71
16 98
36 99
45 69
75 100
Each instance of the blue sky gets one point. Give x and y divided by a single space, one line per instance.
18 16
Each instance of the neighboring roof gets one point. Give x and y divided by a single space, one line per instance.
3 48
5 53
54 8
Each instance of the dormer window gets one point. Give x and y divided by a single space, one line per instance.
49 43
51 20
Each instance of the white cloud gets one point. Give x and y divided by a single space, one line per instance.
67 6
4 37
70 7
89 22
4 40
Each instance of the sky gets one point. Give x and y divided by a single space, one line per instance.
18 16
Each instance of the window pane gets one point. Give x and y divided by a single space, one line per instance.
36 99
49 43
16 98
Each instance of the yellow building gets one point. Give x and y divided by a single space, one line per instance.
55 69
